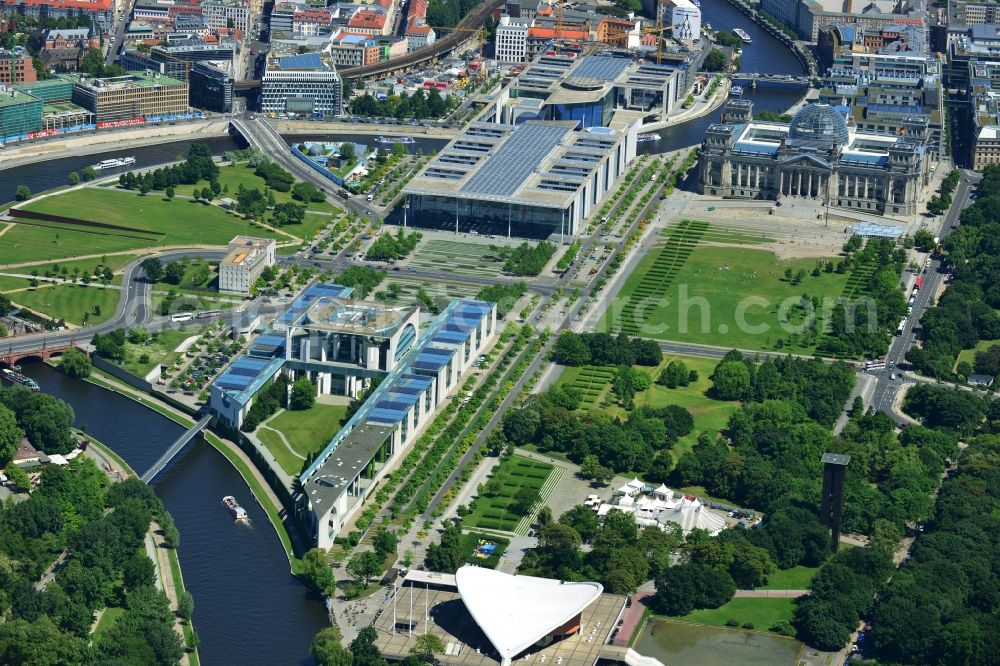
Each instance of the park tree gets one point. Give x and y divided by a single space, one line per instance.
303 394
751 566
583 520
23 193
923 239
674 375
88 173
570 349
715 61
524 500
326 649
138 571
185 606
591 468
18 477
317 571
10 436
348 153
365 566
731 381
173 273
385 542
74 178
169 193
75 363
426 647
153 268
364 649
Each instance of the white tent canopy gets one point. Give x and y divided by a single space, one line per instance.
515 612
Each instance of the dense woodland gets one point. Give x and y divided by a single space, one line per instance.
101 527
966 312
942 607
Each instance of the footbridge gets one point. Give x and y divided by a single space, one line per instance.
175 448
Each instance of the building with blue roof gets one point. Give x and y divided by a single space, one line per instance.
819 156
343 346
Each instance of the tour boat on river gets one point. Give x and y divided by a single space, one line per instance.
239 514
15 377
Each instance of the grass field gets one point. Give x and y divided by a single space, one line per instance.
407 292
307 432
678 643
514 473
456 257
762 612
199 275
108 619
710 416
470 542
796 578
115 262
969 355
727 296
181 222
159 349
74 303
242 174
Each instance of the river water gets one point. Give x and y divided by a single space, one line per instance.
248 608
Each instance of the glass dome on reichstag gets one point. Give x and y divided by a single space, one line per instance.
819 122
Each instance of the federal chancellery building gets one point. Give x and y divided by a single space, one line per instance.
818 156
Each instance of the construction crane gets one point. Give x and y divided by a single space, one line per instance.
659 39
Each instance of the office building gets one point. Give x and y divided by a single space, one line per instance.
130 98
685 17
301 84
210 85
16 66
342 345
534 179
512 39
56 89
354 50
246 259
223 14
818 157
20 114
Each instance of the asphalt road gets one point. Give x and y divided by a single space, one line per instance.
134 308
886 387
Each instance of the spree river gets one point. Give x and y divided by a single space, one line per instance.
248 608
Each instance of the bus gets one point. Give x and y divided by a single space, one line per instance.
208 314
877 364
183 316
902 324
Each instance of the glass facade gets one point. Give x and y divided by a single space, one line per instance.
590 114
439 212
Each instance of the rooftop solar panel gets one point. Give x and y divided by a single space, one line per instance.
515 160
601 67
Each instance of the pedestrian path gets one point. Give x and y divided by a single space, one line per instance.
543 495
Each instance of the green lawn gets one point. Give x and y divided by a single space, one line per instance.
178 222
108 619
242 174
969 355
710 416
307 432
199 275
515 473
762 612
471 542
74 303
115 262
8 283
796 578
159 350
726 296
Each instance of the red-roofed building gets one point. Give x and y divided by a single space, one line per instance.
418 33
539 37
101 12
311 22
368 21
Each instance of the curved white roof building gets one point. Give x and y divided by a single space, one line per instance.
516 612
